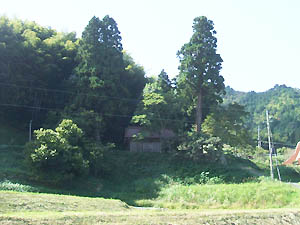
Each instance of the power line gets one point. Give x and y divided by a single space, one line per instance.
101 114
68 92
125 116
95 95
280 143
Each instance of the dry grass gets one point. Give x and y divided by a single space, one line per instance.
135 216
20 202
35 208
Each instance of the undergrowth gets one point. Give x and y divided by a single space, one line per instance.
7 185
162 180
258 195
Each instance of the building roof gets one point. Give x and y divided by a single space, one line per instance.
134 130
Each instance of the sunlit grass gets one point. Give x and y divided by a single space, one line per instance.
7 185
11 201
163 217
37 208
261 195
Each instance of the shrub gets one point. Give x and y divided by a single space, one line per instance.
284 151
57 156
147 186
197 143
201 178
7 185
96 157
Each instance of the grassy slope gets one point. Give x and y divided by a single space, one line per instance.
163 181
137 180
263 195
32 208
38 202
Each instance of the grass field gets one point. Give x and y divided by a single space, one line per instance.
34 208
150 189
270 217
263 195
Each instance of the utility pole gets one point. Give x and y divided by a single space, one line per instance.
258 137
270 145
30 130
275 153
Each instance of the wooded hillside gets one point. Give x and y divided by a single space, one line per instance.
283 104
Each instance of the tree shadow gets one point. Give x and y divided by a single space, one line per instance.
137 178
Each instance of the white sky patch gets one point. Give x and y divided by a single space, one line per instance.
258 40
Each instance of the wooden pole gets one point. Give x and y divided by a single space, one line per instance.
270 146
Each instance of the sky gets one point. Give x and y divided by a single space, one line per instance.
259 40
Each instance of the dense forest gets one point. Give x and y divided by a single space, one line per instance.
79 94
47 75
282 103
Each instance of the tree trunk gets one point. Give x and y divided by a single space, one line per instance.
199 111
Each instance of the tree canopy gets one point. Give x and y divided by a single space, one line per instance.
47 76
282 102
200 67
110 80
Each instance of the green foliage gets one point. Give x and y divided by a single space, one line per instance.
246 151
152 109
199 79
197 143
7 185
148 186
96 157
57 155
228 123
158 109
33 59
282 102
284 151
45 69
202 178
88 120
110 79
260 152
264 194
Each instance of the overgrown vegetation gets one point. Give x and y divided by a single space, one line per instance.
60 150
229 196
282 102
47 76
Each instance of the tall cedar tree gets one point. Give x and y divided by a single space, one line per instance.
106 76
200 66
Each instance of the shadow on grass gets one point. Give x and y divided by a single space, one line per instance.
131 177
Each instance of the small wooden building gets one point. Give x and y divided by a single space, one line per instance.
152 141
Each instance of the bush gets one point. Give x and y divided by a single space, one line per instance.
197 143
7 185
57 156
246 151
96 157
147 185
285 151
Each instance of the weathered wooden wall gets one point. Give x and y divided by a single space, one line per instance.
145 146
